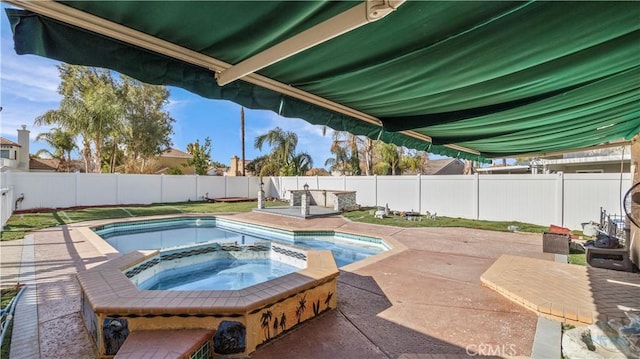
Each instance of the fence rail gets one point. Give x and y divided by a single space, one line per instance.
561 199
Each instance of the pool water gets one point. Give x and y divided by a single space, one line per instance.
193 231
218 274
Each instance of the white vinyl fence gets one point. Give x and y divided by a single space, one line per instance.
561 199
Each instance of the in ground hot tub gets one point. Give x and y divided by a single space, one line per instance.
239 319
216 266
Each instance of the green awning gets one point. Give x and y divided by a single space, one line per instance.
473 80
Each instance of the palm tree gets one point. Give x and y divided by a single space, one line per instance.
266 319
89 108
283 159
62 142
300 164
283 144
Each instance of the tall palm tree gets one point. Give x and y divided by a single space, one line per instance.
283 159
62 142
283 144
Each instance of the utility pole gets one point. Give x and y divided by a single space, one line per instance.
242 129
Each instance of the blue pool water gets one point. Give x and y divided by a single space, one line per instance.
218 274
127 237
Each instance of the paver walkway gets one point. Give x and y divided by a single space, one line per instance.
425 302
565 292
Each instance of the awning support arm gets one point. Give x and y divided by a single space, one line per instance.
357 16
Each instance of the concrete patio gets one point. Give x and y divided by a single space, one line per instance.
425 301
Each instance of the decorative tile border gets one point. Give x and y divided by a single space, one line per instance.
261 231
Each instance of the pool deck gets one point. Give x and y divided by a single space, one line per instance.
446 292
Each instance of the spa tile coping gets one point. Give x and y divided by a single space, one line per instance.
110 292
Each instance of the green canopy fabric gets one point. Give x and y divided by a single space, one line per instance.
500 78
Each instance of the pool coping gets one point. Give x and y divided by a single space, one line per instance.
85 228
111 293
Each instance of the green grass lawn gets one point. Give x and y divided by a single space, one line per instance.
19 224
365 216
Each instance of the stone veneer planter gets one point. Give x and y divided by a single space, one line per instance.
113 307
339 200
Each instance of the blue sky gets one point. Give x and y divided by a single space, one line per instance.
28 87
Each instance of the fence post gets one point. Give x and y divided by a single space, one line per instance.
75 180
375 189
560 199
419 193
197 188
476 196
162 188
117 176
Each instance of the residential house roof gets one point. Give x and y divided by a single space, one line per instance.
176 153
4 141
44 164
444 166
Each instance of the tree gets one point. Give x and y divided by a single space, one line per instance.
86 109
110 115
62 142
283 159
201 159
389 155
283 144
413 162
300 164
345 149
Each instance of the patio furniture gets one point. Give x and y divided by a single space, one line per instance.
611 258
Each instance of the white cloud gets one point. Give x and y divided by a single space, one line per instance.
28 87
29 77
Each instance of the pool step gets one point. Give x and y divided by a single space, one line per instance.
167 344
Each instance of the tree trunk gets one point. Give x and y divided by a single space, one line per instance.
467 167
86 155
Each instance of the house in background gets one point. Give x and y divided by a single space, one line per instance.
604 160
236 167
447 166
9 153
15 156
44 165
504 170
174 158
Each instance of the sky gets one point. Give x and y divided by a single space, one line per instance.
28 88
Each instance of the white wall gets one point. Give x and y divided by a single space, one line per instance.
561 199
62 190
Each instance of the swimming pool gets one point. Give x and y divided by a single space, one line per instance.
237 319
176 232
